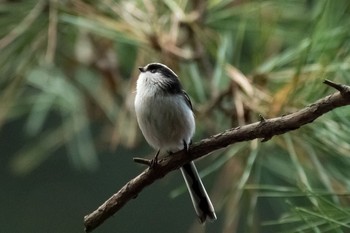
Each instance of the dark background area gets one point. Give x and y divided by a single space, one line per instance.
55 197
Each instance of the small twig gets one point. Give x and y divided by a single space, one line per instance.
340 87
262 118
143 161
262 121
268 129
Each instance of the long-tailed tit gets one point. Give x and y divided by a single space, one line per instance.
164 114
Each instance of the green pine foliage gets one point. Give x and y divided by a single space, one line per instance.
69 69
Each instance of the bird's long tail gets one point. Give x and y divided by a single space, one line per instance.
200 199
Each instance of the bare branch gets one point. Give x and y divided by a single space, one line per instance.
265 129
143 161
344 89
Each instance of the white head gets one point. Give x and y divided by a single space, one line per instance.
160 77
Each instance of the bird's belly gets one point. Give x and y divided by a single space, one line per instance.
165 122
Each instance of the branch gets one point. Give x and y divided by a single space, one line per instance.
265 129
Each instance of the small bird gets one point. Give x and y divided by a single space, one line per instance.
165 116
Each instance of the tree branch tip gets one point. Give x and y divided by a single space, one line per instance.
143 161
340 87
328 82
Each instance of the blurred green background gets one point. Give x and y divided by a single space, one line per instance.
68 131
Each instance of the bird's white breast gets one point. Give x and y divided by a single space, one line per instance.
164 119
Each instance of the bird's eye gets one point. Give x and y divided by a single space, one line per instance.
153 71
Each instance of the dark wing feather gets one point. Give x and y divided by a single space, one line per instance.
187 99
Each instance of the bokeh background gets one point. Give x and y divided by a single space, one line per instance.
68 130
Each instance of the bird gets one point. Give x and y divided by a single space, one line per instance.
165 116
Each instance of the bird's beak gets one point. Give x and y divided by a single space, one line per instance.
142 69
